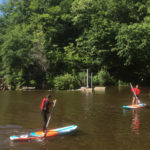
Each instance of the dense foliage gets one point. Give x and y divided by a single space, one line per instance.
48 44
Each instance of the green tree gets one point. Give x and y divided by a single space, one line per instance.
133 49
15 55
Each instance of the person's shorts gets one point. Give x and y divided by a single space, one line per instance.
135 96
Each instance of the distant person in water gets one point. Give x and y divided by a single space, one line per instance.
136 93
45 107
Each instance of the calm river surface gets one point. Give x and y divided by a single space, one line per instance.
102 123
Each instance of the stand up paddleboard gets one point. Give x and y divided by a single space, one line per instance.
40 134
139 105
135 106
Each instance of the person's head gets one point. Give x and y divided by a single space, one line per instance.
48 96
137 86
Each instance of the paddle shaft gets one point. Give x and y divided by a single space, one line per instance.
49 119
50 115
133 90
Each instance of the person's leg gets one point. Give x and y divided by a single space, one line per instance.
136 101
133 100
44 116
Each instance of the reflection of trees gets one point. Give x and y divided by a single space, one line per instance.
135 122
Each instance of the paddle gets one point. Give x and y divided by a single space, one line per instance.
135 94
54 103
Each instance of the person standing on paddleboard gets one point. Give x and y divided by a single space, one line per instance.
136 93
45 106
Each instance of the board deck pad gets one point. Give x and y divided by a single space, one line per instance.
40 134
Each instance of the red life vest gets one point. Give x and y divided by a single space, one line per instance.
45 104
136 90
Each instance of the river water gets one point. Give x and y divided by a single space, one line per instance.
102 123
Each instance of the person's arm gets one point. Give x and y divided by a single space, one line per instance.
54 101
133 90
51 103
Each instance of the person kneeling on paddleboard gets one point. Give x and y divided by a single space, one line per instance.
45 106
136 92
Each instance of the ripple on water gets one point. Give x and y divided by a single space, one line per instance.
9 126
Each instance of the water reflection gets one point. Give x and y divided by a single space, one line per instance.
135 121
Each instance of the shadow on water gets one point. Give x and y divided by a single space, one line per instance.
147 107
